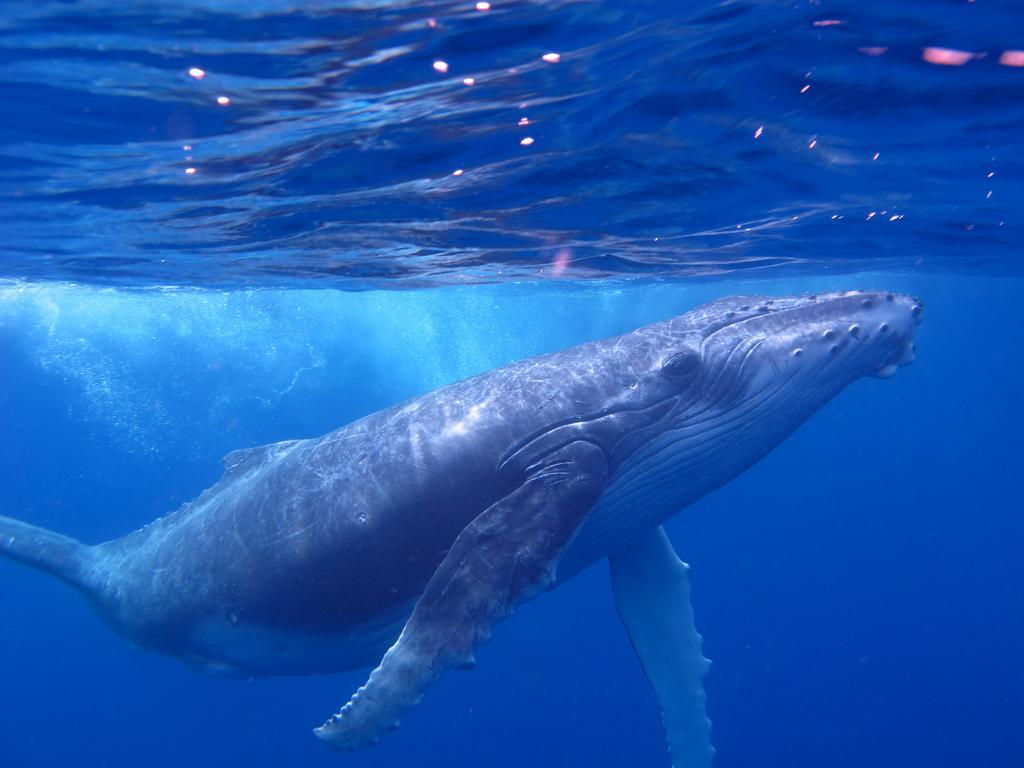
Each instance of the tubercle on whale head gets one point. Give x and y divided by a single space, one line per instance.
825 340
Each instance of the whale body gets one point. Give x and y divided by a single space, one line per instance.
403 538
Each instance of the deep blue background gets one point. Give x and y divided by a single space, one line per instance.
860 591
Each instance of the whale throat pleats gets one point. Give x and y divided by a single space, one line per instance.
651 587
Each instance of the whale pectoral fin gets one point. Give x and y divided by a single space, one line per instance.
507 555
651 586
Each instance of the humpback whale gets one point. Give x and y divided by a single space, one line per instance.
400 540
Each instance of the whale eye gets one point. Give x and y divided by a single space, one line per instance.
682 364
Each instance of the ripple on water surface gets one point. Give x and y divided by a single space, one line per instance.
381 144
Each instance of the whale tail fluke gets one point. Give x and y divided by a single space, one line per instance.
59 555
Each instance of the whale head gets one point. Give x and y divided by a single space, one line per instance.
748 370
801 351
742 373
762 366
726 383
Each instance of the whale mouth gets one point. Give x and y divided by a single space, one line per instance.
887 371
906 358
907 353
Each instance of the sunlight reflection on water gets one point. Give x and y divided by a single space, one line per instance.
374 144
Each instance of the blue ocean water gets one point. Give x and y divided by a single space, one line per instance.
354 226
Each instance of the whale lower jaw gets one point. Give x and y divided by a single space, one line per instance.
887 371
906 358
